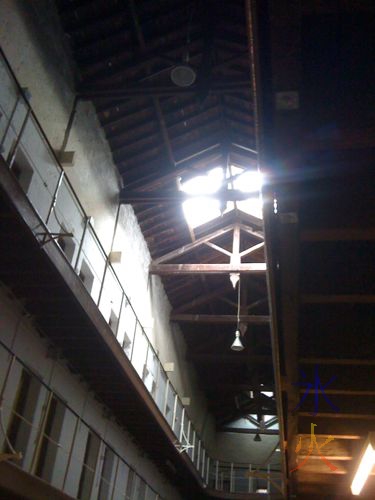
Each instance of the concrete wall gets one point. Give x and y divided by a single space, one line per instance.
41 62
19 335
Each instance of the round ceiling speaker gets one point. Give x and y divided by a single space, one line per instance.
183 76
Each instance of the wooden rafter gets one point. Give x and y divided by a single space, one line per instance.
187 248
202 299
179 269
220 318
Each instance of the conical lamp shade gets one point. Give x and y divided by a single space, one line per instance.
237 344
257 438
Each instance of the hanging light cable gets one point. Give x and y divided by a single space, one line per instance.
237 344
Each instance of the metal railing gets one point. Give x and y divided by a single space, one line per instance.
28 154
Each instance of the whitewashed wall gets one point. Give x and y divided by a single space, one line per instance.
41 63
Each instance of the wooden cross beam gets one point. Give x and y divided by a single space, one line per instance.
180 269
220 318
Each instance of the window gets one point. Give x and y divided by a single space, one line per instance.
106 475
127 345
50 440
203 207
86 276
22 170
21 421
89 466
67 245
113 321
130 485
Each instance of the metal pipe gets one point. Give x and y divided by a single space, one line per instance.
174 411
54 197
231 478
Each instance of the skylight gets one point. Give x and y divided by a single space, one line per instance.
204 207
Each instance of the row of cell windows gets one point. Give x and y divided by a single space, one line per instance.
57 446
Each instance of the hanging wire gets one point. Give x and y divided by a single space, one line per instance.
238 304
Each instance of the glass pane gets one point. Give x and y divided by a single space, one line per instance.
89 465
170 405
126 329
50 440
22 414
110 300
91 264
107 474
160 388
68 220
140 350
8 99
121 481
178 418
150 372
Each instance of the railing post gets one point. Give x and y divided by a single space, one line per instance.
103 280
145 363
208 470
166 397
231 483
120 312
250 480
174 411
133 343
217 475
9 122
54 197
193 452
182 423
81 243
198 454
13 151
203 462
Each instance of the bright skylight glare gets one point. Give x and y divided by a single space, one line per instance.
201 209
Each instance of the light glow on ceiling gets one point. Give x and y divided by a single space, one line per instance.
365 465
203 208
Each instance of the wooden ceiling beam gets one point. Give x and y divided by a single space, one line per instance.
189 247
338 299
142 90
201 300
338 416
179 269
235 358
220 318
167 197
338 234
337 361
146 174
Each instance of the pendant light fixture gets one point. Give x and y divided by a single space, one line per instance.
237 344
